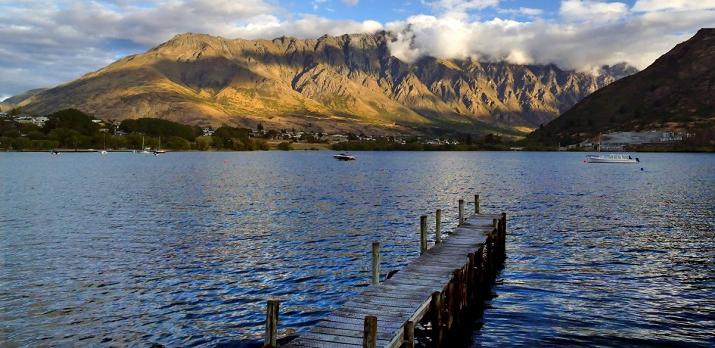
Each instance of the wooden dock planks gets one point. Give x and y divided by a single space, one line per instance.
404 297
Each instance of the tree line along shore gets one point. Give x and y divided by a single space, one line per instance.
71 129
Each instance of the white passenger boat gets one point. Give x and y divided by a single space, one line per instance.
344 157
612 158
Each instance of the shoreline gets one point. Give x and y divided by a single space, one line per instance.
343 150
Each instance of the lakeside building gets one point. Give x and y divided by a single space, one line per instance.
619 141
27 119
207 132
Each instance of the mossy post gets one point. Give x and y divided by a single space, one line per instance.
271 337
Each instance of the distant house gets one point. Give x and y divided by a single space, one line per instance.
27 119
337 138
207 131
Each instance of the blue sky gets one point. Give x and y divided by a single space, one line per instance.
47 42
391 10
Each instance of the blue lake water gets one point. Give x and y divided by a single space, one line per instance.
185 248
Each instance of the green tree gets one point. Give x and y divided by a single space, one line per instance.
157 127
71 119
203 143
285 146
177 143
66 138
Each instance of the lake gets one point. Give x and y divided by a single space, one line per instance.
184 249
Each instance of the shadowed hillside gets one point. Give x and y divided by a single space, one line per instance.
676 91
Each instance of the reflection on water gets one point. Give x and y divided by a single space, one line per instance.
184 249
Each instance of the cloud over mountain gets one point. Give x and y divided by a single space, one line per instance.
585 35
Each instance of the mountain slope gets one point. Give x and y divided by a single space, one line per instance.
349 82
676 91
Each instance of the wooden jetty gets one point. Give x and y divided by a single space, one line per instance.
436 291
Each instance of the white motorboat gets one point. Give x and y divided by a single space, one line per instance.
611 158
344 157
103 152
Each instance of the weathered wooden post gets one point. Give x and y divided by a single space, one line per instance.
369 335
461 212
476 204
438 226
470 278
423 234
408 340
437 319
271 338
375 263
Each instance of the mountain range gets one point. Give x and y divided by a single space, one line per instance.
333 83
676 92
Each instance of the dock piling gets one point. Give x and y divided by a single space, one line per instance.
423 234
437 318
461 212
271 337
375 263
476 204
369 338
438 226
408 340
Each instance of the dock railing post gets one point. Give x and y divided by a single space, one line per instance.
423 234
476 204
271 338
408 339
438 226
369 335
437 319
461 212
375 263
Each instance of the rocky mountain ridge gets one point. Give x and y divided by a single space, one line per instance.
348 82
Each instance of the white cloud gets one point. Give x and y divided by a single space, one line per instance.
678 5
587 10
614 36
351 2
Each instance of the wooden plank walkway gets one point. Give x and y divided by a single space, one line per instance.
407 296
